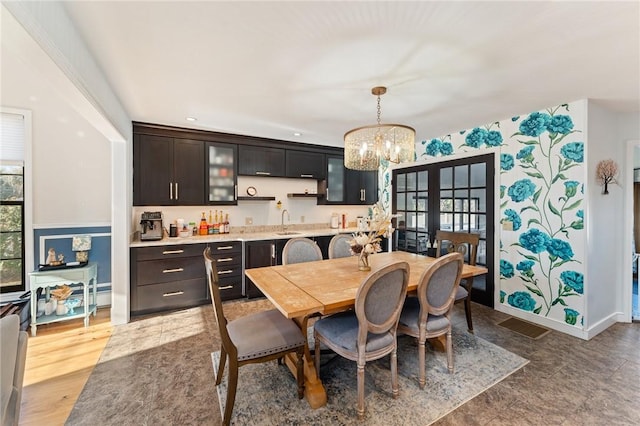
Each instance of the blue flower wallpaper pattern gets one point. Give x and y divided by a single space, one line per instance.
541 180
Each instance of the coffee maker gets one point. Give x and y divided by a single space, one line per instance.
151 226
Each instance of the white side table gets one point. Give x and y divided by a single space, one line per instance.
45 279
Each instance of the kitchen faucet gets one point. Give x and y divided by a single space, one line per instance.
284 228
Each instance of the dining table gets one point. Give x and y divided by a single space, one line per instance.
301 291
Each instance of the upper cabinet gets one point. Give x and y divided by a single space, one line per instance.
261 161
221 171
167 171
304 164
344 186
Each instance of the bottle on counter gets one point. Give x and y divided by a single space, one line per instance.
204 227
226 224
216 224
194 228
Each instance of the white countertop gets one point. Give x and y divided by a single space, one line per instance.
245 236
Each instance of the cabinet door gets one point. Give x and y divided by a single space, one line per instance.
261 161
152 170
335 180
302 164
361 187
258 254
188 168
221 171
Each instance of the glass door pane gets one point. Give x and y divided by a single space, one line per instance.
222 174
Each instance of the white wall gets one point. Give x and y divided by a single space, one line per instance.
261 212
604 221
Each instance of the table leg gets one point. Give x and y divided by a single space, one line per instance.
34 309
314 391
439 343
87 306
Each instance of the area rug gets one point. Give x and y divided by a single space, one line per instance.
524 328
266 393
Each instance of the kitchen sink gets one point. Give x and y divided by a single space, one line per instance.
287 233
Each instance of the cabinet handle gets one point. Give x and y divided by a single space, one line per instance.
273 252
225 259
169 271
173 251
226 287
264 173
228 271
176 190
173 293
224 248
235 191
309 176
171 190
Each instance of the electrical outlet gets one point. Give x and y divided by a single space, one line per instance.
301 219
248 221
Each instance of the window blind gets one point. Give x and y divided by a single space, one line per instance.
11 137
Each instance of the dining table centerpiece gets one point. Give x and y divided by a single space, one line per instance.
367 242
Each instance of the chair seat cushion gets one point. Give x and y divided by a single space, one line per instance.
342 330
264 333
411 312
461 293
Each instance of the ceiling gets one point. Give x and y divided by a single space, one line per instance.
274 68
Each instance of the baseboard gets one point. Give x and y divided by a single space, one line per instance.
543 321
603 324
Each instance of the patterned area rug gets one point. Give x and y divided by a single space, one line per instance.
267 394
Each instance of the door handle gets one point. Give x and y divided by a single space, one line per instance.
173 293
306 176
171 190
263 173
176 190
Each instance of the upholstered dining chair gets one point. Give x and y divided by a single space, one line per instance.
467 244
339 246
255 338
298 250
13 354
368 332
427 315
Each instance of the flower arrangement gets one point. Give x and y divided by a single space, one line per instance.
366 243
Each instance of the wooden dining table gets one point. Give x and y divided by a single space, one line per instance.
303 290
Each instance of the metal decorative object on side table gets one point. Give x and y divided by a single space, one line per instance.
46 279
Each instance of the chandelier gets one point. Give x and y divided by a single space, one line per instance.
365 146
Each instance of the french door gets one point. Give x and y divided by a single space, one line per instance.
455 195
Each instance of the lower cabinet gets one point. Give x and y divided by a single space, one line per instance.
170 277
258 254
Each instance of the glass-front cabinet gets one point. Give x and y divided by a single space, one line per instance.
335 179
222 173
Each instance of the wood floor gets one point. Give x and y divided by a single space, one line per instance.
59 361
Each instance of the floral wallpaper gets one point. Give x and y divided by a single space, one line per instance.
542 175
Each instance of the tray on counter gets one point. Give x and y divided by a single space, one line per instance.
61 266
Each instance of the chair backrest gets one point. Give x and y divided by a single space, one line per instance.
340 246
216 301
379 300
438 285
298 250
461 242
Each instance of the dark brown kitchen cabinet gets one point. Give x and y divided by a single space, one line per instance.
228 256
222 178
167 171
261 161
256 255
304 164
167 277
361 187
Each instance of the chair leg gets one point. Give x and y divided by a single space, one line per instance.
467 312
449 352
394 373
360 407
231 391
223 360
422 380
300 372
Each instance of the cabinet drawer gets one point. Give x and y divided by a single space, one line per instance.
160 271
225 248
172 295
225 271
230 287
167 252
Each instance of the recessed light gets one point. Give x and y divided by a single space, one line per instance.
297 134
191 119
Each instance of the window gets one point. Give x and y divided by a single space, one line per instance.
12 250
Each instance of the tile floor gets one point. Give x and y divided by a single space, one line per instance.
569 381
